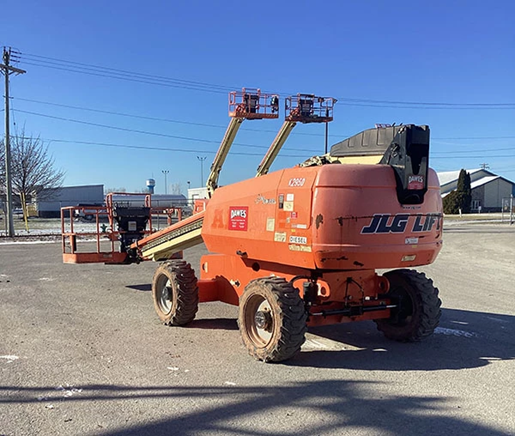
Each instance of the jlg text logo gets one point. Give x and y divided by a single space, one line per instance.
397 224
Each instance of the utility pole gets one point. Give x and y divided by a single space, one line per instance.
165 172
484 166
326 130
201 159
326 135
7 70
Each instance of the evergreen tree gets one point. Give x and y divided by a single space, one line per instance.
450 203
461 198
464 191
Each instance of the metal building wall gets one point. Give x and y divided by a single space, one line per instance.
69 196
495 191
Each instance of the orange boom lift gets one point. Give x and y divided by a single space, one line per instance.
300 246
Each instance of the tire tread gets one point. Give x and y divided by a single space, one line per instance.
429 306
293 317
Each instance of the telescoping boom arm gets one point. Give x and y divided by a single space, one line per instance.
303 108
221 154
248 104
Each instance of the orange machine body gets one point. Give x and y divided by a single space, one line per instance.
328 217
336 223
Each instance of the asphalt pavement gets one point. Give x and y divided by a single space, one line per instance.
83 353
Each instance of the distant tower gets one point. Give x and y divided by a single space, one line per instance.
151 183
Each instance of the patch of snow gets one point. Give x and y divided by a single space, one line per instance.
68 391
26 242
9 358
453 332
502 321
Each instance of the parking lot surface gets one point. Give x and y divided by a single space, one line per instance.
82 352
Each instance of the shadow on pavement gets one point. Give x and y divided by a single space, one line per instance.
300 409
463 340
144 287
214 324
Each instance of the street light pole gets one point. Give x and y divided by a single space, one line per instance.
165 172
201 159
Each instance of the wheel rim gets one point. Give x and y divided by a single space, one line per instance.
259 320
165 296
405 311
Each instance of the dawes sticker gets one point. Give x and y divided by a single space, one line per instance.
238 218
415 182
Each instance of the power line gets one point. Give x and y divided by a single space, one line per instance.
219 126
472 157
101 111
429 103
197 151
185 138
167 120
475 137
164 135
140 147
468 151
57 61
84 68
144 132
128 78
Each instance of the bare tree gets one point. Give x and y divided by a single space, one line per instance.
110 190
176 188
32 168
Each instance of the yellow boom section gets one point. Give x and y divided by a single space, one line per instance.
179 236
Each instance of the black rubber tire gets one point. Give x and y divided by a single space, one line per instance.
419 312
288 318
175 292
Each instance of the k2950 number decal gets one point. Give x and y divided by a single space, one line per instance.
386 223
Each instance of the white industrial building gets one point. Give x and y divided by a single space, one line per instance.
50 201
490 192
197 194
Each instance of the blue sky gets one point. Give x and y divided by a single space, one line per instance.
459 53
